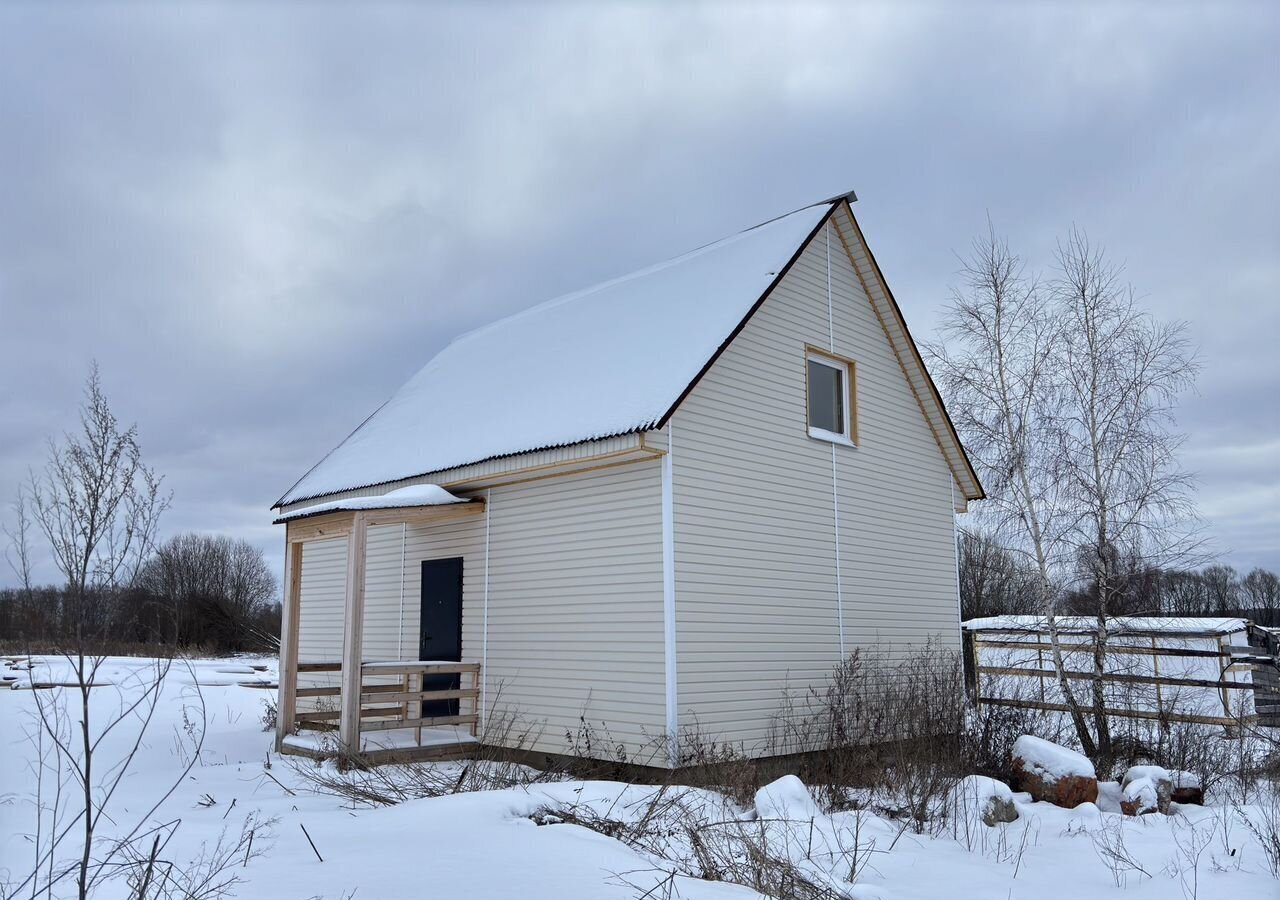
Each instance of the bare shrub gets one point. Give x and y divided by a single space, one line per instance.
491 768
211 875
786 859
991 729
1109 844
720 765
270 713
1263 821
885 722
592 752
966 823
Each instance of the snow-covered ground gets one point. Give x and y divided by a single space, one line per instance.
488 845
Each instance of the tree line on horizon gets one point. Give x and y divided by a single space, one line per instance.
205 592
996 582
93 510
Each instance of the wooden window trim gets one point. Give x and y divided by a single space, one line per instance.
850 369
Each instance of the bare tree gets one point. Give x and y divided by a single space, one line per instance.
1260 589
95 502
97 505
18 553
996 363
993 581
1123 492
220 590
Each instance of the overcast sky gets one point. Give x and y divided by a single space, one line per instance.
262 220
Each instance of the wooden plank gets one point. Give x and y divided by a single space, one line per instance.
1119 678
1111 648
1118 633
366 712
1122 713
317 715
334 691
417 696
353 637
286 699
411 668
318 691
320 667
419 723
424 515
319 528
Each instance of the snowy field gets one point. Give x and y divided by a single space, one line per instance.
488 845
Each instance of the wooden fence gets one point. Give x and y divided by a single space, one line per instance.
1209 677
391 694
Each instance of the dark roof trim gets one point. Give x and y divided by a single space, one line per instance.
782 273
279 503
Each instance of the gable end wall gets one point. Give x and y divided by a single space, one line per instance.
754 510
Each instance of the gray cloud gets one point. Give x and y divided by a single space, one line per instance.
261 220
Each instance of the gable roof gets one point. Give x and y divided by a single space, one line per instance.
612 359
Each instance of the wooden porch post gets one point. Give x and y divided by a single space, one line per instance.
287 668
353 636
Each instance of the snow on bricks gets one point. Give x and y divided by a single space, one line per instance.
1187 789
1147 789
982 798
1051 773
787 798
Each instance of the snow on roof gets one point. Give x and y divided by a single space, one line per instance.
415 495
608 360
1115 625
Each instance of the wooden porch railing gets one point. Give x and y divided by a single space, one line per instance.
390 706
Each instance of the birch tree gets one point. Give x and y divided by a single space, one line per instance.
996 364
1122 491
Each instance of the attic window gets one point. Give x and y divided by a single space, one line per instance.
830 385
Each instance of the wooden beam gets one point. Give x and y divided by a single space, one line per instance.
1119 678
424 515
339 523
375 670
1111 648
1121 713
318 692
366 712
353 636
319 528
286 702
416 696
419 723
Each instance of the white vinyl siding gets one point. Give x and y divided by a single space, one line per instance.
755 558
575 606
324 586
575 602
321 611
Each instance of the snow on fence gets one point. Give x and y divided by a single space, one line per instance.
1198 670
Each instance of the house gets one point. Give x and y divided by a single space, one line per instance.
639 509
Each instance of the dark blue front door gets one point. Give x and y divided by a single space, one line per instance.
440 637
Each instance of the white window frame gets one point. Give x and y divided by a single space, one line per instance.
846 369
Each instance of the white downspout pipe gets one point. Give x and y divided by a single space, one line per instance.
669 598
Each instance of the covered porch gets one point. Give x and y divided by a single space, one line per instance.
354 707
